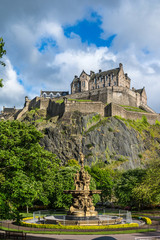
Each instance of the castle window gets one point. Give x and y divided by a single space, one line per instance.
103 85
112 76
109 84
84 84
51 95
95 80
44 95
58 95
106 78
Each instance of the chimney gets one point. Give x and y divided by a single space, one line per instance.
120 65
75 76
126 75
100 70
91 73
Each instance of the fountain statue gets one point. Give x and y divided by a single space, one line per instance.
82 205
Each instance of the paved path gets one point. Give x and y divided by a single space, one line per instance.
91 237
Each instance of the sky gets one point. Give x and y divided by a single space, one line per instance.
49 42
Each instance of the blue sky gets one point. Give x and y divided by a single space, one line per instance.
89 31
47 44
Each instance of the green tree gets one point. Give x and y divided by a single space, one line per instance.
29 170
64 181
148 192
2 52
125 185
103 180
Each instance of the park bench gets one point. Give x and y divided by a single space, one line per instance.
15 235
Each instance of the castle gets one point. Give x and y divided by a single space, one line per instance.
105 92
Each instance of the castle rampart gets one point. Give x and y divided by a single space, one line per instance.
113 109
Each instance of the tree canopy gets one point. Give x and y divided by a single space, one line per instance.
27 171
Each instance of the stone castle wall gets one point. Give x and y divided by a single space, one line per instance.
113 109
119 95
84 107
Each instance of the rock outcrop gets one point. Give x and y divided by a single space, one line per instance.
106 140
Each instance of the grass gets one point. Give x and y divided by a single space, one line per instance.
100 123
134 109
85 233
25 215
59 101
80 100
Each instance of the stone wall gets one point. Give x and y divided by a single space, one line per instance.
113 109
55 109
84 107
119 95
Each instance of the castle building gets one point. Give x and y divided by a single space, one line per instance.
81 83
106 92
53 94
113 77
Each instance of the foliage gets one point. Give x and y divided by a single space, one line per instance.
72 162
93 120
2 52
157 123
28 169
100 123
64 179
125 185
103 181
148 192
146 219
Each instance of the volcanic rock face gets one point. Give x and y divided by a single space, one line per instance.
106 140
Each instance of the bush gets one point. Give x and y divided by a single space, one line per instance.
145 219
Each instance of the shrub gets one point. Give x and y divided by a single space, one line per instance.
157 123
145 219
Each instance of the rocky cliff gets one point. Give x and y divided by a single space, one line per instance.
115 142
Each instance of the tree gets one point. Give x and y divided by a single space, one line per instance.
27 170
2 52
124 187
148 192
103 180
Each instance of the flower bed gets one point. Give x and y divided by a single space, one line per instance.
71 227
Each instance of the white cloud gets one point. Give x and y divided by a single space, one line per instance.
24 23
12 93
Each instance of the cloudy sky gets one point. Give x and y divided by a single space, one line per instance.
48 42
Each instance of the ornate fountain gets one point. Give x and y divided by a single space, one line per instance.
82 205
82 210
